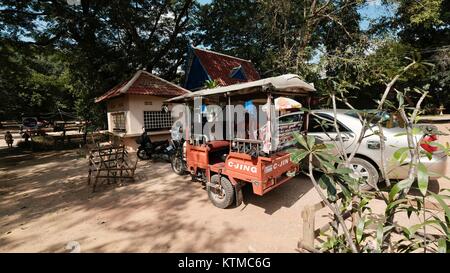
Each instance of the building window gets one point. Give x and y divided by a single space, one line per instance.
118 120
157 120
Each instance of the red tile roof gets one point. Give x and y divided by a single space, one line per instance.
144 83
219 66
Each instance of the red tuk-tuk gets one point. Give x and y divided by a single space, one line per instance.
226 164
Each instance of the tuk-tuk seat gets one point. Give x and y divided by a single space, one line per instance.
215 145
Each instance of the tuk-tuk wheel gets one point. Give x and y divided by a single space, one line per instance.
223 196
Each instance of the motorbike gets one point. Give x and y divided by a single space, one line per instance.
155 150
178 160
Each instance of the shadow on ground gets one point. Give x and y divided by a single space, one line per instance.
35 187
285 196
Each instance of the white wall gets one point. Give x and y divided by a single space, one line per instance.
137 105
119 104
134 107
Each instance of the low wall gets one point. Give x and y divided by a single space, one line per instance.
130 142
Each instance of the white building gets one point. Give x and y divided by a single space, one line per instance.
138 102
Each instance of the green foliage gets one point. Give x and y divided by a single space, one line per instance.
97 44
211 84
426 12
229 26
33 81
422 178
401 154
422 27
280 36
333 177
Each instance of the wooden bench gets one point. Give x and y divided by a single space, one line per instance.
110 163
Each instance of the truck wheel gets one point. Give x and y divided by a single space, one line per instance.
177 165
221 198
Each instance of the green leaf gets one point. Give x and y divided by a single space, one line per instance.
409 211
343 170
444 196
419 204
321 183
443 205
401 154
406 232
422 178
400 134
310 141
415 228
380 234
399 187
417 131
345 191
298 155
442 245
360 230
320 147
443 226
395 203
439 146
300 139
364 202
327 157
329 167
388 228
329 146
326 182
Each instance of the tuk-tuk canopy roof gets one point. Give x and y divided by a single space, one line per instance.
285 84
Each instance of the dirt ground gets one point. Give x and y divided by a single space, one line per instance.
46 204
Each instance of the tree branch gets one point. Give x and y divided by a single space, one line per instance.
341 25
331 207
391 83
